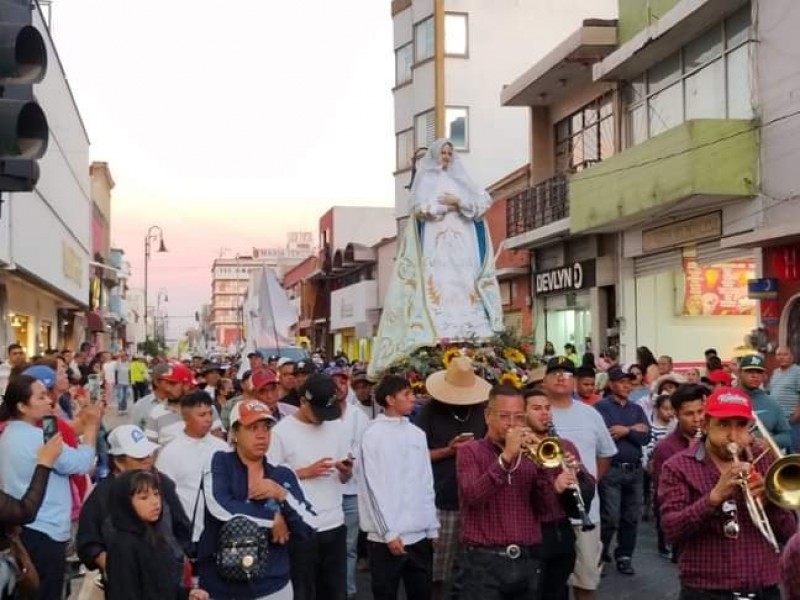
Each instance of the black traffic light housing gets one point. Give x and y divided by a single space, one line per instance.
24 131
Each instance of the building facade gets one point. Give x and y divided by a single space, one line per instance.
451 60
45 235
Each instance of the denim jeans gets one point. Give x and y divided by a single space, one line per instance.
122 391
621 492
350 507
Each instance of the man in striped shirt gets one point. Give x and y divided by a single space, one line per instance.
784 386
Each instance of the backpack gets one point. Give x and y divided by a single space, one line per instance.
242 550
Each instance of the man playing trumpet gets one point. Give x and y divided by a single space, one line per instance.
558 537
702 495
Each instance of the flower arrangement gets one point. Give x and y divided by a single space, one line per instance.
504 359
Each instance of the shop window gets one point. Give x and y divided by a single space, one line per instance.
20 327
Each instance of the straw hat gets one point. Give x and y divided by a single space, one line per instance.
458 385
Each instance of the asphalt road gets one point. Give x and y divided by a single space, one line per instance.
655 579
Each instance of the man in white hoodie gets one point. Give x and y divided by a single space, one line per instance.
396 500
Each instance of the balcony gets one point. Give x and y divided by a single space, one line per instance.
695 166
538 212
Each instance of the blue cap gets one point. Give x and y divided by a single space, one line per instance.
43 373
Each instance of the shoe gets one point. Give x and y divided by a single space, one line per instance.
606 557
665 553
624 566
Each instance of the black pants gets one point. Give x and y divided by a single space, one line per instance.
558 559
50 559
139 390
319 566
415 568
488 576
687 593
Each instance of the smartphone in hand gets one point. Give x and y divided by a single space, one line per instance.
49 427
467 435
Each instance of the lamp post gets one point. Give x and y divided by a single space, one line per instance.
153 233
162 293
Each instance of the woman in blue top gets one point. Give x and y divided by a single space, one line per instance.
25 404
242 482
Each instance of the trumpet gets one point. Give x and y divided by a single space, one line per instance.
549 453
755 507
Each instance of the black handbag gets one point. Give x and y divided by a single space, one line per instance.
242 550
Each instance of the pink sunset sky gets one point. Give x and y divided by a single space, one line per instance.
229 124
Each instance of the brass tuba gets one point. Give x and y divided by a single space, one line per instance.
782 480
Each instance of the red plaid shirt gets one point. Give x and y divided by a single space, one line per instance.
665 449
708 559
495 512
790 568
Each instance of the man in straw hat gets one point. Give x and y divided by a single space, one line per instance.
452 417
502 495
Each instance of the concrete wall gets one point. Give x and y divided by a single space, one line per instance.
635 15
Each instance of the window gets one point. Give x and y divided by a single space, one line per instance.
456 129
585 137
709 78
405 149
456 34
403 59
425 129
424 44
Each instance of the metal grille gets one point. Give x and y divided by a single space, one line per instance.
537 206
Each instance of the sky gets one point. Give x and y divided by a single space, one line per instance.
229 123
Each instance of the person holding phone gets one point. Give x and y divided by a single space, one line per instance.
25 405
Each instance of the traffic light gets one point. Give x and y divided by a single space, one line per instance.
23 124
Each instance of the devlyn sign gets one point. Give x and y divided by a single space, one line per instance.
570 278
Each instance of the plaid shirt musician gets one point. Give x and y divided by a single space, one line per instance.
704 510
499 494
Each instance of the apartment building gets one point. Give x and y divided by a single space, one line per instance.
452 58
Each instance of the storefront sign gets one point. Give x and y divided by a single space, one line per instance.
762 289
691 230
578 276
715 290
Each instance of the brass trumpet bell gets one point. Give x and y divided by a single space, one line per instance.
782 482
549 453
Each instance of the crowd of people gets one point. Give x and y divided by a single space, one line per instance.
280 479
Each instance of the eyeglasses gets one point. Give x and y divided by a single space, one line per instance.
560 374
508 416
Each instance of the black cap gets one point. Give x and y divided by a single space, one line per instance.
274 358
208 367
584 372
319 391
618 374
305 367
255 353
359 375
560 363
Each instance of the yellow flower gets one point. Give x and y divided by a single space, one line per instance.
418 386
449 355
511 379
513 355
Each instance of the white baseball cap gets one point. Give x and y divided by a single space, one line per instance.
129 440
284 360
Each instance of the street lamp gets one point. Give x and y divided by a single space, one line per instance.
153 234
162 293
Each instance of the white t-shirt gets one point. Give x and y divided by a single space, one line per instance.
110 372
355 423
183 460
298 445
584 426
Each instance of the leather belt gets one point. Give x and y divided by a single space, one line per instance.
512 551
627 466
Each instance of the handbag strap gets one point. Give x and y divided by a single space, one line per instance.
196 503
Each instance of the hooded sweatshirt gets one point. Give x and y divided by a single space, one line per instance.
139 560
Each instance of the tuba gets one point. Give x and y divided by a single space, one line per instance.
549 453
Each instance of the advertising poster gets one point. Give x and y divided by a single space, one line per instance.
716 290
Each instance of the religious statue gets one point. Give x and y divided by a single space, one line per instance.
444 286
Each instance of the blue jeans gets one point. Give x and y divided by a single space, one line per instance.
621 492
350 507
122 392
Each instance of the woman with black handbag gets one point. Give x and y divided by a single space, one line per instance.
241 555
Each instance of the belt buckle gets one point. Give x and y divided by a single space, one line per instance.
513 551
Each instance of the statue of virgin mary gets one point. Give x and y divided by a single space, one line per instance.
444 285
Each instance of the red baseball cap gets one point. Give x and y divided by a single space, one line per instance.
179 373
248 412
262 378
729 403
720 376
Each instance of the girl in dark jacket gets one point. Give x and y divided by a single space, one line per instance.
138 559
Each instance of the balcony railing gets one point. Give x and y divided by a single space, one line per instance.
537 206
